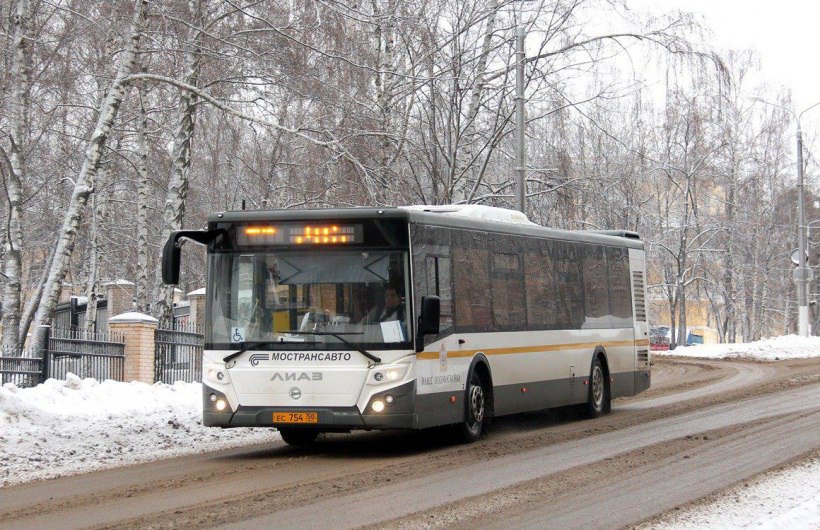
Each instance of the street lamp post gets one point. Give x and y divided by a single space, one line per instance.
520 124
802 273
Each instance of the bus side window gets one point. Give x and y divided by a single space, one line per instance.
509 298
471 282
437 269
569 289
543 301
596 294
431 269
620 289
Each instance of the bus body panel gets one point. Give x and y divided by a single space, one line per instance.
643 360
530 369
316 387
268 377
309 387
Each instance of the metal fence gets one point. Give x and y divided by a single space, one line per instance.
72 315
100 355
178 353
182 314
23 371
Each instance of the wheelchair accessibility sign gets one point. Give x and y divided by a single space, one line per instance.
237 334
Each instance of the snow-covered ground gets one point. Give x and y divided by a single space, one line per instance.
73 426
775 349
788 499
68 427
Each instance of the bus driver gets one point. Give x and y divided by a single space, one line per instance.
391 310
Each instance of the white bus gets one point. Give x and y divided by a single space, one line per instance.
413 317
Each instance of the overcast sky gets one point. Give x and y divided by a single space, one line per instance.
785 33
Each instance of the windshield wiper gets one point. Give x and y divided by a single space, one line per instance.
338 335
247 346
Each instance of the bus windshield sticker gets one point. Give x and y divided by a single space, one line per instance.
391 331
237 334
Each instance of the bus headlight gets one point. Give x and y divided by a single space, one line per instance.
388 374
395 400
217 375
215 401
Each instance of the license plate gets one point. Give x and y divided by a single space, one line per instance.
295 417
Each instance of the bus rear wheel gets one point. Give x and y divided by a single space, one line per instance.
598 400
299 436
476 410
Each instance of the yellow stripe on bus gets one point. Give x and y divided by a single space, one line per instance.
534 349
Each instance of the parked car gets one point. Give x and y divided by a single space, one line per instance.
694 339
659 338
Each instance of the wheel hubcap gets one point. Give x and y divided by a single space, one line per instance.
477 403
597 386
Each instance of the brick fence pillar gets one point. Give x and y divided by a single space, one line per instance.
197 300
120 296
138 330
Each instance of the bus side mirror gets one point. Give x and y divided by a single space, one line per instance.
171 257
172 254
430 315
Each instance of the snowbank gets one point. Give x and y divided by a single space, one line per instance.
775 349
66 427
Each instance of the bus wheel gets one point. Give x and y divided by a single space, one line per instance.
598 397
299 436
476 410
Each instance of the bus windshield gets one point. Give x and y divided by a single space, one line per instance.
280 297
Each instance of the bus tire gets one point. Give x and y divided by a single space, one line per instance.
598 400
475 413
298 436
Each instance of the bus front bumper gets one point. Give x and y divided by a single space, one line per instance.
398 414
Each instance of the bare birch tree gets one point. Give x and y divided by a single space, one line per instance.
19 104
91 162
142 288
174 211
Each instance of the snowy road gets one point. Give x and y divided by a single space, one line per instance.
789 427
721 460
704 426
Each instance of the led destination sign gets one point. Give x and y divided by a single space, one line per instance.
300 234
325 234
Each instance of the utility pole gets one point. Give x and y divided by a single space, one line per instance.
803 273
520 124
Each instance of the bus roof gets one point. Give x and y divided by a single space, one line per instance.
500 221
